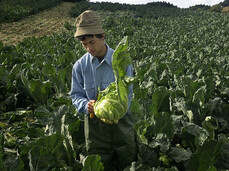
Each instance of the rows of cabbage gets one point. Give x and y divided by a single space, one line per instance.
11 10
180 104
183 67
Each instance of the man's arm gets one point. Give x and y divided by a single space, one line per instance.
78 94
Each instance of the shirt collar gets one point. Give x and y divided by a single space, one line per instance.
107 57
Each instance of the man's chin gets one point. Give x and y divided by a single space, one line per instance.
93 53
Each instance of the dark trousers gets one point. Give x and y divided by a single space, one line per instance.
115 143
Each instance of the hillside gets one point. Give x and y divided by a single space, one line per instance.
225 10
44 23
41 24
180 98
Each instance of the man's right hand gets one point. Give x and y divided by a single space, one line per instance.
90 106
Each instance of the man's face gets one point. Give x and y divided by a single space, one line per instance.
95 46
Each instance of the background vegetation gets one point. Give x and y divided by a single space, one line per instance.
11 10
181 93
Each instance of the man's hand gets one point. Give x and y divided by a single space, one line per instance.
90 106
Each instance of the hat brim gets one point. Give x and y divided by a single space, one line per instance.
84 31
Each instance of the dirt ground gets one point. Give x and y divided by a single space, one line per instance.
44 23
225 10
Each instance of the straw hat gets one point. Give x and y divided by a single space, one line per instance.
88 23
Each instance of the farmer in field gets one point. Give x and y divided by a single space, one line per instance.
115 143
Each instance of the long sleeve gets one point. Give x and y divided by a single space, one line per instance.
78 95
88 74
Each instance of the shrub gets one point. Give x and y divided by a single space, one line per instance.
216 8
225 3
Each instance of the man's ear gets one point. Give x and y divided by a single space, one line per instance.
103 36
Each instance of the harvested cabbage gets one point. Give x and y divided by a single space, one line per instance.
112 103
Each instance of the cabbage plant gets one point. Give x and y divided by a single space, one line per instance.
112 103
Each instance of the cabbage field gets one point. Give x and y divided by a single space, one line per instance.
181 92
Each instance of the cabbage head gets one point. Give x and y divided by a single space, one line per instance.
112 103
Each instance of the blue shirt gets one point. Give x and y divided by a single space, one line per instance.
88 74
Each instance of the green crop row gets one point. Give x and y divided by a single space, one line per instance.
180 104
11 10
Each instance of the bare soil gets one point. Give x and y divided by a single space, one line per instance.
225 10
44 23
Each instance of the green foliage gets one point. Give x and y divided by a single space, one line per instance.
180 101
216 8
38 106
11 10
200 7
79 8
225 3
48 153
208 154
155 10
38 90
112 103
161 4
93 162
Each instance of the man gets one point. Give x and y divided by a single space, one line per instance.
115 143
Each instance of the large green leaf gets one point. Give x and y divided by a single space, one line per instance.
207 155
47 153
3 74
148 155
39 90
121 58
210 125
198 133
43 115
161 140
141 129
48 69
137 166
224 157
161 131
199 96
61 80
180 154
223 162
163 123
93 163
112 103
160 100
11 162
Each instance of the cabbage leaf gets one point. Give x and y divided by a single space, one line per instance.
112 103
